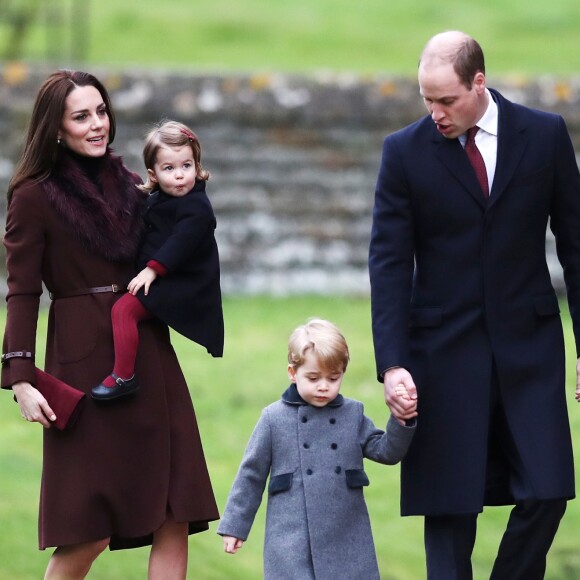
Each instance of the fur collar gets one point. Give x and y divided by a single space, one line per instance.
99 202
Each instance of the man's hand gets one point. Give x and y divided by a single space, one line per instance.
400 394
578 380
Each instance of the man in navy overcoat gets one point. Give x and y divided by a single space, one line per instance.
465 316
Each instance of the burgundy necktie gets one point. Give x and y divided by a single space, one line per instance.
476 160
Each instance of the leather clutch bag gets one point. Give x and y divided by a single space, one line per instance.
64 400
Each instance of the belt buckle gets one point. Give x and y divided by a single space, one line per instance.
115 288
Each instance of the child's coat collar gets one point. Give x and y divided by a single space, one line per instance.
291 396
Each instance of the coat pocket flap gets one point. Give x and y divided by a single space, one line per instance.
546 305
279 483
356 478
426 317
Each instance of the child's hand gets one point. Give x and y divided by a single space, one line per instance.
403 405
401 392
232 545
144 278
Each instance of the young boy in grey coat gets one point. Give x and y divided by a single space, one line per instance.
312 443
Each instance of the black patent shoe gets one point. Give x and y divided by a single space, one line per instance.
120 389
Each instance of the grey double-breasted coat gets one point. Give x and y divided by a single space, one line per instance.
317 524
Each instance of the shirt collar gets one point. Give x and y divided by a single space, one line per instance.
489 121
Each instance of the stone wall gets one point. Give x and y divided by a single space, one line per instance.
293 159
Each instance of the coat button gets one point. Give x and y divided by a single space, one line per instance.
306 446
332 421
334 446
309 472
337 469
304 419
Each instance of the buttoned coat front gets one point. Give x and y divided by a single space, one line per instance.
317 524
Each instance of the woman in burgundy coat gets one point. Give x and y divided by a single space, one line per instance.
126 475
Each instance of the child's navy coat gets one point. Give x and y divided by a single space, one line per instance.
180 235
317 524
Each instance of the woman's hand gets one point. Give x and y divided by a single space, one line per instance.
33 406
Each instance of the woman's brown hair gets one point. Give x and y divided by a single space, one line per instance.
41 146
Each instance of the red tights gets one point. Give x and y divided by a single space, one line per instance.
126 314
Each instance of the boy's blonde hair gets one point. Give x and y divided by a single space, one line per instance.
323 339
171 134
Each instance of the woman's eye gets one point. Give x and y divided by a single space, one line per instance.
80 117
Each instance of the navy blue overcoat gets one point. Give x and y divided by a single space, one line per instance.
460 286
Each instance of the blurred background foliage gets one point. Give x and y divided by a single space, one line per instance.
367 36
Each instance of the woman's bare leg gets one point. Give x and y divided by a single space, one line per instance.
168 559
74 562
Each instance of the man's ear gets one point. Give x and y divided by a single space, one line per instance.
479 82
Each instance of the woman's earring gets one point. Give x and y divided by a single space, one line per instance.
58 140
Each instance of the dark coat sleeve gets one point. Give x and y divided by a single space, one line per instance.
391 261
246 493
24 243
565 222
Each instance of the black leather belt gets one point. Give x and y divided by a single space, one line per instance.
84 291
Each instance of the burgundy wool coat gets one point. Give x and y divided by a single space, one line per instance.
122 466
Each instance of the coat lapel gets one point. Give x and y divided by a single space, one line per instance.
451 154
511 144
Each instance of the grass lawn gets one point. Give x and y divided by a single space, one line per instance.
367 36
229 394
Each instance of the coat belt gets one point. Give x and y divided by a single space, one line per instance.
83 291
16 354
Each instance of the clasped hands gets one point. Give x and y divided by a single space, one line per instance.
400 394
